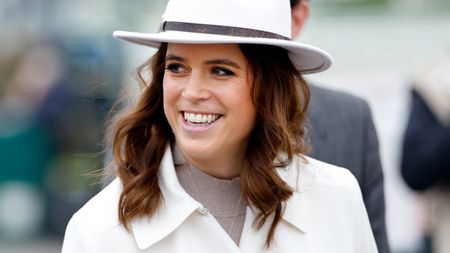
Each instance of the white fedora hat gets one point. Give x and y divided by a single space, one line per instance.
266 22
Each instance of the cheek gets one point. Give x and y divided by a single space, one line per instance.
249 114
244 108
170 91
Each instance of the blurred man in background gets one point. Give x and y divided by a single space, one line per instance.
355 147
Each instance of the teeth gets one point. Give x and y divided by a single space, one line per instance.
200 118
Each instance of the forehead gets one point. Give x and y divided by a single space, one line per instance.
206 51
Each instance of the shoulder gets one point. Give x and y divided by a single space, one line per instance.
321 188
306 174
100 213
324 175
96 227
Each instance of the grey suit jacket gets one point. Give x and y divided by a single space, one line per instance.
342 132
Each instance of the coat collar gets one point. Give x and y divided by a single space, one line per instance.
178 205
298 175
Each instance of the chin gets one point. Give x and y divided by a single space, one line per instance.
195 150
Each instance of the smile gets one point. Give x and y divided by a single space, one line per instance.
200 118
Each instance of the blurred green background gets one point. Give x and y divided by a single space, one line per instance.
61 71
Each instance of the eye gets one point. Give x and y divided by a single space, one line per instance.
219 71
175 68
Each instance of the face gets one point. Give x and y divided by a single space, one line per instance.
208 104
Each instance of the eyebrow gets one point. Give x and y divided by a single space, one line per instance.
223 62
172 57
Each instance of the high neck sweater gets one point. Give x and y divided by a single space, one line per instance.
221 197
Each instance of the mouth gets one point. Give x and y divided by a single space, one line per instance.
200 119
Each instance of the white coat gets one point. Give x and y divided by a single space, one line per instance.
325 214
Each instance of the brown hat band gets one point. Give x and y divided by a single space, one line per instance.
219 30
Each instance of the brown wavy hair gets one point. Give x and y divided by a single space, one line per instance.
281 98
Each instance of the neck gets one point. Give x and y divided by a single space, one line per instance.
221 168
225 165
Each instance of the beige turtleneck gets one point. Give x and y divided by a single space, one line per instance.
221 197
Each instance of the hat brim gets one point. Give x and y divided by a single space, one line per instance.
307 59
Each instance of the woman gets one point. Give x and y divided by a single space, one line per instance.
210 158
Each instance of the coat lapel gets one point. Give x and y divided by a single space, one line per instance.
177 206
297 175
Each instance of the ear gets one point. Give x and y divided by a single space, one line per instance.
300 14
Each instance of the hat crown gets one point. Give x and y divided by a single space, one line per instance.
272 16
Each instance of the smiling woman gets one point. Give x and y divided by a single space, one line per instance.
210 158
209 81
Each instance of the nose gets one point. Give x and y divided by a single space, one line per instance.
196 89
